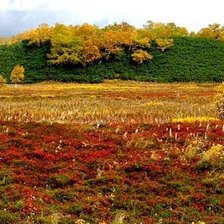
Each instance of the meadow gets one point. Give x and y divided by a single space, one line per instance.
109 102
115 152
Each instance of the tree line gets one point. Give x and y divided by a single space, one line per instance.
88 53
87 44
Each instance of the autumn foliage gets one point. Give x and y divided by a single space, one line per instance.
17 74
2 80
139 56
88 53
213 31
103 153
73 173
164 44
87 44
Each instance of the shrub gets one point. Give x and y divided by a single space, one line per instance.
81 221
2 80
7 218
43 220
194 148
214 156
17 74
219 101
62 196
59 180
5 177
75 209
51 219
119 218
20 204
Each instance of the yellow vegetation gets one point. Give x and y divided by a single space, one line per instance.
194 119
111 101
214 156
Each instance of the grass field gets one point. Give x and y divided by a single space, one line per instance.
116 152
110 102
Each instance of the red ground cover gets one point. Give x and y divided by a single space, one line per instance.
93 172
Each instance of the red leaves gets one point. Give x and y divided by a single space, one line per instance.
41 154
91 155
106 172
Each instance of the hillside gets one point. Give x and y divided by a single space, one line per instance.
189 59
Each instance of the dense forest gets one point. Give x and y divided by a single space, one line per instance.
86 53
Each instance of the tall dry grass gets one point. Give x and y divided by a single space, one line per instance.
111 101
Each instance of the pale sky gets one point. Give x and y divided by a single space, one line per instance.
19 15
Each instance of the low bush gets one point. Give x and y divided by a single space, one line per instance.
7 218
214 156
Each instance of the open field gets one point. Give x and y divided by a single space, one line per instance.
116 152
110 102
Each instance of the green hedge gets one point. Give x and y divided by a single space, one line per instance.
190 59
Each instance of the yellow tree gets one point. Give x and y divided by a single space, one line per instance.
40 35
142 40
66 46
213 31
163 30
17 74
110 44
164 44
139 56
90 52
2 81
116 37
36 36
91 44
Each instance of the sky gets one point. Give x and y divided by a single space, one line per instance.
19 15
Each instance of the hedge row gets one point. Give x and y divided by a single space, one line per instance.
190 59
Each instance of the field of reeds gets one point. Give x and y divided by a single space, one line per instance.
110 102
116 152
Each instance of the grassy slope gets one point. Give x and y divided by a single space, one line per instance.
190 59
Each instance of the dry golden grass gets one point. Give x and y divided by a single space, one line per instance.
111 101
